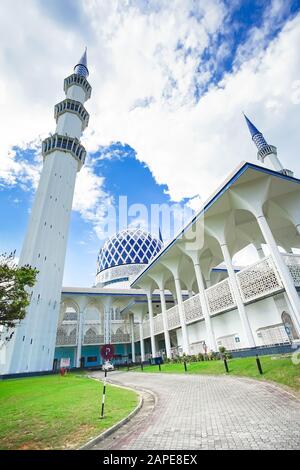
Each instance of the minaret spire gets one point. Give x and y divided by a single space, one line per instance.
265 151
81 68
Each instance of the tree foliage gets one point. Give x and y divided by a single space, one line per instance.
14 293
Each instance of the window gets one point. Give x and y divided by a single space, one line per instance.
92 359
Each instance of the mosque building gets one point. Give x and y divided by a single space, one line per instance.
152 299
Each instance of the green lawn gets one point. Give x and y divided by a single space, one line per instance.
54 412
276 368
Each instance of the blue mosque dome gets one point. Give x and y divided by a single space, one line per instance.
129 251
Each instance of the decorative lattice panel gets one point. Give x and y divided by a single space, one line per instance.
274 334
70 316
158 324
64 337
120 338
121 334
146 329
173 317
93 335
293 263
192 309
127 271
136 332
258 280
228 342
219 297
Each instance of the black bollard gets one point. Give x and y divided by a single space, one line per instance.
159 367
103 394
259 365
185 367
142 365
226 365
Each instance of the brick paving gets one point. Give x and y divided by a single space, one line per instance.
209 412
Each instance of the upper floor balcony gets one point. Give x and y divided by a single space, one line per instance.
257 281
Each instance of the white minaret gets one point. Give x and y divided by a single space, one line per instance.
33 343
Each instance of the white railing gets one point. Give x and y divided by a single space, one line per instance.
146 329
65 340
192 309
173 318
136 332
158 324
273 335
121 333
219 297
92 332
120 338
67 334
293 263
259 280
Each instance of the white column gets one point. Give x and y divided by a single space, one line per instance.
259 251
205 310
150 309
237 296
185 340
142 341
79 338
282 269
132 338
191 294
165 322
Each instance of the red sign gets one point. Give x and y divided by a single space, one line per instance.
107 352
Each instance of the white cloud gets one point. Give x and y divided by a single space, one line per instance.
90 199
136 57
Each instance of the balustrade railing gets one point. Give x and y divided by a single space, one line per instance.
65 340
293 263
146 329
158 324
219 297
173 317
67 334
192 309
120 338
136 332
259 280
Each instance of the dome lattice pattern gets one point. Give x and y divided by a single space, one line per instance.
130 246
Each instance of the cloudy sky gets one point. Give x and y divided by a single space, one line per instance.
170 82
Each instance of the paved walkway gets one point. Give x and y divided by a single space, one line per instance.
207 412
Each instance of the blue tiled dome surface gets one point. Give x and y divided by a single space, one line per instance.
130 246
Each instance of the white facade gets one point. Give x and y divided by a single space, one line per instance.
184 298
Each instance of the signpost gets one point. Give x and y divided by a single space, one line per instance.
107 352
65 363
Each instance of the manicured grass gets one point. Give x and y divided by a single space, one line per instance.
54 412
276 368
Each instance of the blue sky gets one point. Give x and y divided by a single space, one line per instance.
170 80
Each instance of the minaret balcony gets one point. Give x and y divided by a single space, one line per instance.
78 80
72 106
265 151
65 144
